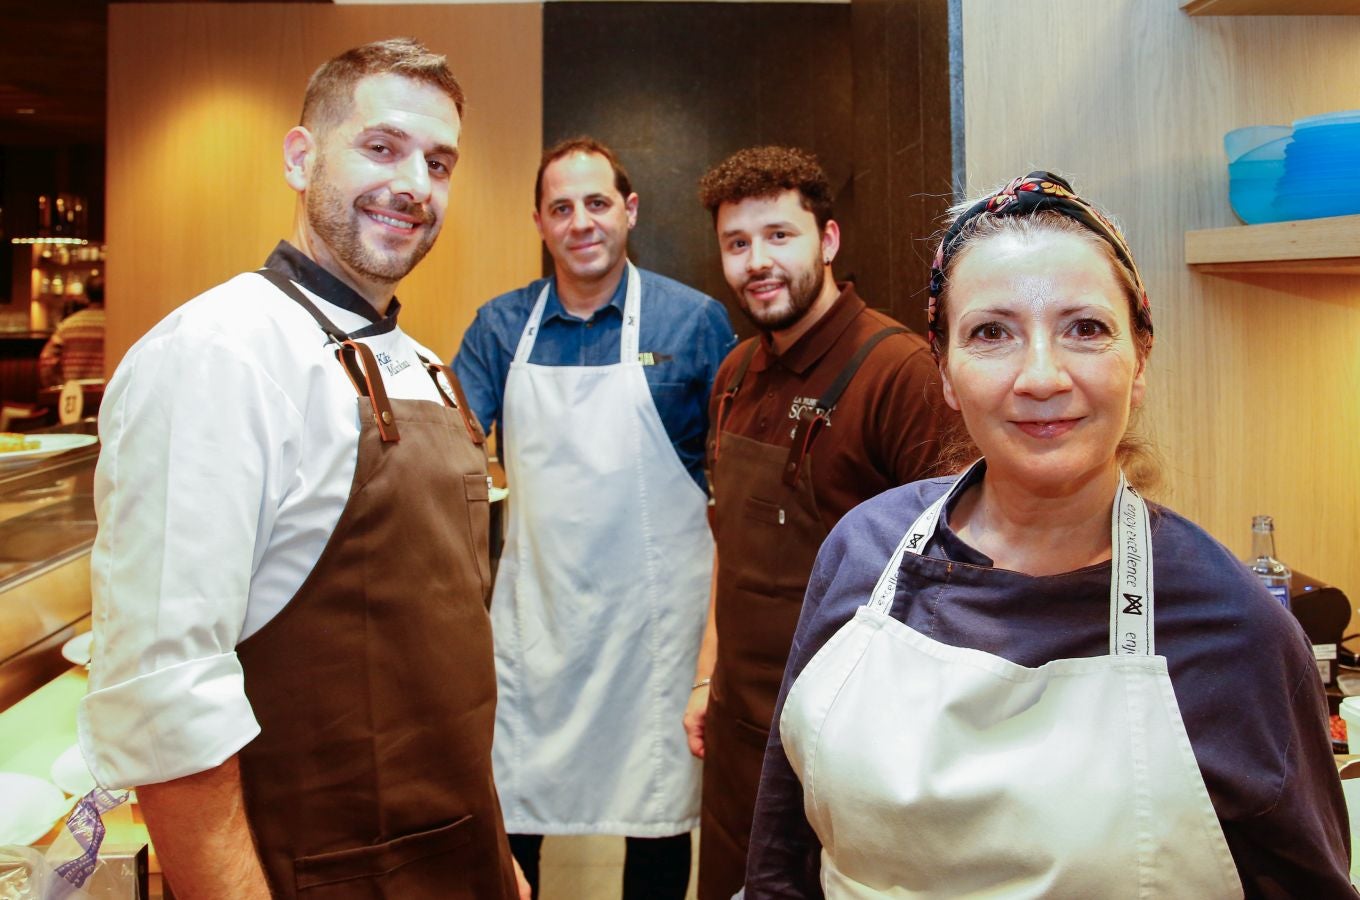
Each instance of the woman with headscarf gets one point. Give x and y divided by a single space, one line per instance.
1026 680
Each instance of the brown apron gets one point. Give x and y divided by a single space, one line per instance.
768 531
375 686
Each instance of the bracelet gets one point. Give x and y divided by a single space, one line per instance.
702 682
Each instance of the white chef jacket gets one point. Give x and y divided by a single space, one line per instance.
230 433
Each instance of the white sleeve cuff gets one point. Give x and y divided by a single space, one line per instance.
166 724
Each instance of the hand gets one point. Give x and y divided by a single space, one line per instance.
696 711
525 892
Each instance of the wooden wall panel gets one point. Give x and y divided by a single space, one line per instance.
1254 386
200 96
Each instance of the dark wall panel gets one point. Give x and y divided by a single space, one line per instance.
675 87
902 147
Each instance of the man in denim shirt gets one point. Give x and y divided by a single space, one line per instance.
597 382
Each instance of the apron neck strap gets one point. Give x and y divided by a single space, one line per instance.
358 360
812 421
725 401
442 375
632 319
1131 602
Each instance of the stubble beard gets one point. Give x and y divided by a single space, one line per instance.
803 291
337 224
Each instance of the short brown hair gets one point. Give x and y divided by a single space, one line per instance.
331 88
767 172
582 144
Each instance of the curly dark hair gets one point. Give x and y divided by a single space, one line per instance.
766 172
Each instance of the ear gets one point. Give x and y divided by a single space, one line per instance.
538 223
631 204
948 387
831 241
299 156
1139 386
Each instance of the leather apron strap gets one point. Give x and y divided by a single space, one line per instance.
812 421
357 358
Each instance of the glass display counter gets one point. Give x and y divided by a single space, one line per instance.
47 527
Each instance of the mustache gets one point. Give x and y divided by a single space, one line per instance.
397 204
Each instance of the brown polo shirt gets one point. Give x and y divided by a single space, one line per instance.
884 431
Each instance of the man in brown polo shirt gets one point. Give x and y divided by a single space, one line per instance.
829 405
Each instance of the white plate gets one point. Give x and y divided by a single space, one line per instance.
32 806
70 773
77 649
48 445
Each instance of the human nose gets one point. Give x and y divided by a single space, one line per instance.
580 218
413 179
757 260
1042 373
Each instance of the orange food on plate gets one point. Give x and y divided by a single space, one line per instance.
12 442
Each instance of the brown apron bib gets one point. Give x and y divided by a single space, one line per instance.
768 531
375 686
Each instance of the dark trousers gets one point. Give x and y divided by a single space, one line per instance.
653 868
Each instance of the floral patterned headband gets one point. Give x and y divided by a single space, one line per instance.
1029 194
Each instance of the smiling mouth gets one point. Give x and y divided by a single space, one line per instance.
1049 428
764 290
391 221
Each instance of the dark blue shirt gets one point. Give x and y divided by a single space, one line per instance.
1241 668
687 334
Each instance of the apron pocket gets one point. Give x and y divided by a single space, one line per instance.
477 492
378 860
763 511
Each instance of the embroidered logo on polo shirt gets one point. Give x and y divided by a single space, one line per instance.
391 366
808 403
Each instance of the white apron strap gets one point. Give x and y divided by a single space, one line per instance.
1131 631
1131 628
632 320
914 541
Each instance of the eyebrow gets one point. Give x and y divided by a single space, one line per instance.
396 133
595 196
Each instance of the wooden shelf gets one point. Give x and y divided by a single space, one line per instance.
1313 246
1271 7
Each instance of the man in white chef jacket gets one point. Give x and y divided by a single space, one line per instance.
293 659
597 381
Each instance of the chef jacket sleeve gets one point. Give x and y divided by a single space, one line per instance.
784 855
910 420
483 365
198 446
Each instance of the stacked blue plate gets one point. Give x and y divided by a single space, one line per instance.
1310 170
1321 168
1255 167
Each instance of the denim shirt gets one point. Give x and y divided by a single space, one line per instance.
687 334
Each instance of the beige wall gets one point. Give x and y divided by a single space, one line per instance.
1255 381
200 97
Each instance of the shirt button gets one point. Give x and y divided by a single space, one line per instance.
590 323
769 395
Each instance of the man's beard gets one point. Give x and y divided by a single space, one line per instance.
338 225
803 291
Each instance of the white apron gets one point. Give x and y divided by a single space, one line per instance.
936 771
599 603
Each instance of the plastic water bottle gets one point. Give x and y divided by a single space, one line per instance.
1274 574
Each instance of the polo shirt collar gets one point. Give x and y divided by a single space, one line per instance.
554 305
292 262
820 338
